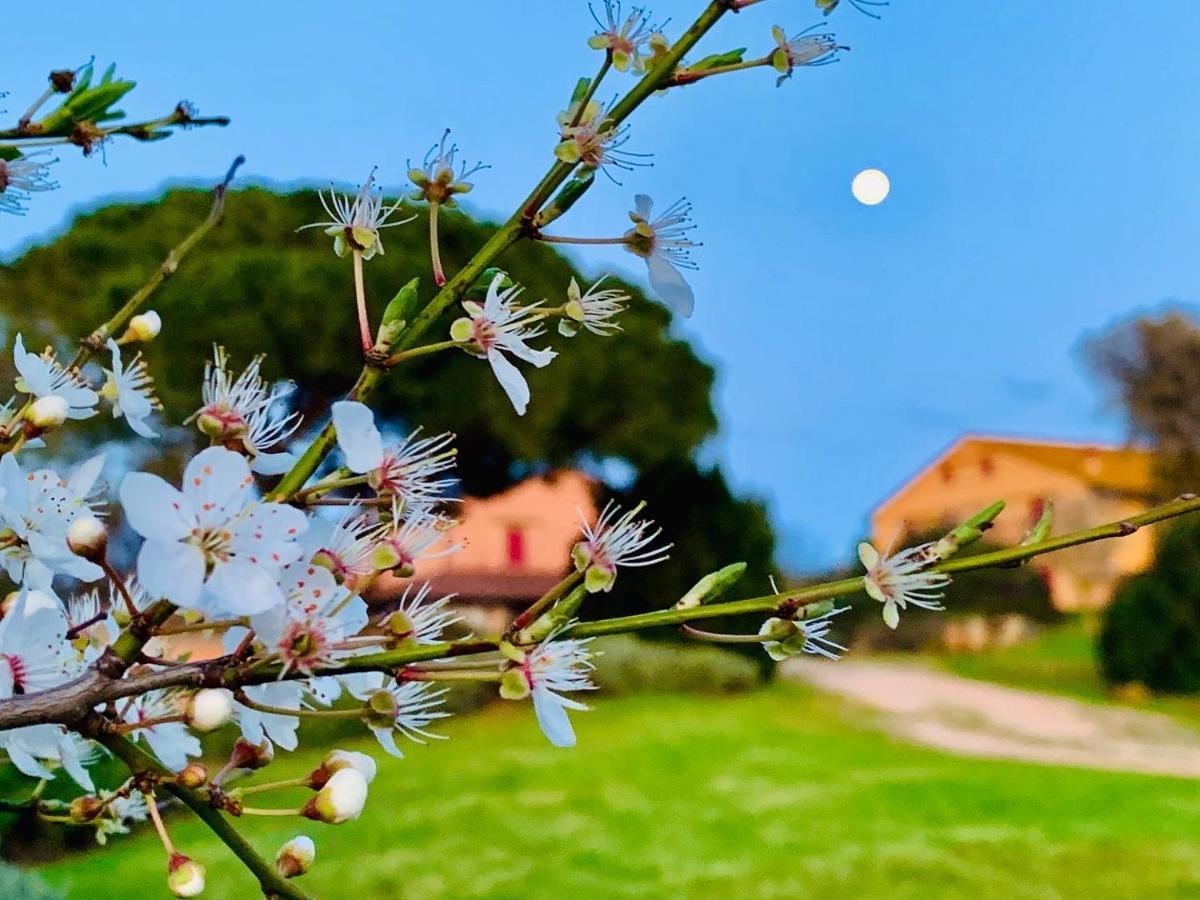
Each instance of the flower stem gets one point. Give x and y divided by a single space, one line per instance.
691 76
360 297
411 674
152 810
299 713
557 239
127 727
591 91
544 602
261 811
716 638
189 627
302 781
420 351
119 583
439 276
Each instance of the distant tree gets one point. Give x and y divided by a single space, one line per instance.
1150 366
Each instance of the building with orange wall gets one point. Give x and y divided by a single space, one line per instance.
1088 484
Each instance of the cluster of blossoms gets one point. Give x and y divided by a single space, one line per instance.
255 604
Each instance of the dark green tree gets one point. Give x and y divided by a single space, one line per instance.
1151 630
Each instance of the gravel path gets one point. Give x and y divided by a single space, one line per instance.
976 718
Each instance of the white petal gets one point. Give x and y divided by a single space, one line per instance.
387 740
511 380
642 205
891 615
171 569
357 436
243 588
552 718
154 509
521 350
669 285
271 463
868 555
83 479
218 482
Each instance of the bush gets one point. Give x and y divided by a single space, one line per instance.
1151 630
630 665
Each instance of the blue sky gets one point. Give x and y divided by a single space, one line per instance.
1043 161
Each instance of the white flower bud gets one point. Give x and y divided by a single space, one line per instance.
87 537
185 877
143 327
336 760
47 412
210 708
296 856
341 800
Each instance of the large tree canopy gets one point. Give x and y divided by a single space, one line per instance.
259 286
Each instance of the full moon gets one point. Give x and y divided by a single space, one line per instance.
870 187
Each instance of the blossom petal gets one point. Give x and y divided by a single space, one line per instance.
171 569
218 482
271 463
357 436
669 285
511 380
552 718
243 588
154 509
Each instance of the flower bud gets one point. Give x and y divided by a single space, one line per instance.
711 586
143 327
340 800
87 537
185 877
336 760
296 856
193 775
246 755
47 412
210 708
85 808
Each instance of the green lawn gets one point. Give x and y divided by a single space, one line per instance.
773 794
1062 660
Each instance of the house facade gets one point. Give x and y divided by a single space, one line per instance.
514 546
1087 484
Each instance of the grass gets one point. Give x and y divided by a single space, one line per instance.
1062 660
780 793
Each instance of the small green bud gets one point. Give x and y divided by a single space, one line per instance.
711 586
396 315
566 197
556 617
967 533
597 579
1041 528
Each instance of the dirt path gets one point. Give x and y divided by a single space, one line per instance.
976 718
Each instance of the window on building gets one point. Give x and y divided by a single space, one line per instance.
515 546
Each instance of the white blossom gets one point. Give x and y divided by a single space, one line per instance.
23 176
130 390
276 728
548 670
34 652
901 579
665 246
596 309
407 707
345 547
243 410
211 546
499 327
31 747
408 471
417 621
36 511
354 223
617 539
171 742
802 50
317 616
43 376
625 39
